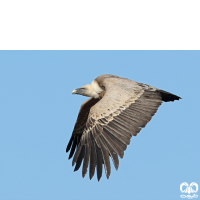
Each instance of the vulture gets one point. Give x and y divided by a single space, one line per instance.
117 110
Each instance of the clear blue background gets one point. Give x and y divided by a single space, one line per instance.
38 112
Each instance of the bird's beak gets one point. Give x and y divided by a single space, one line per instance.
74 91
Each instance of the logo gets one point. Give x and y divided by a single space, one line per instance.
190 189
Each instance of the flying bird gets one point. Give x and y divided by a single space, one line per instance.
117 110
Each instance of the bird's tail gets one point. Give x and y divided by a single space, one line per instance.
166 96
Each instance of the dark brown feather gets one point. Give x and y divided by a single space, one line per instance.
73 148
83 115
80 158
99 162
92 159
123 128
117 145
106 159
115 131
86 160
76 155
69 143
112 153
166 96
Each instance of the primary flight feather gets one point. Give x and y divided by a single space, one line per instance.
117 110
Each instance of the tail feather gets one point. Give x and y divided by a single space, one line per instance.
166 96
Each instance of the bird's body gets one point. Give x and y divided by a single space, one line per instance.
117 110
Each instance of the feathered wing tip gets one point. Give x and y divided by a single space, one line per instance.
166 96
69 143
80 158
96 154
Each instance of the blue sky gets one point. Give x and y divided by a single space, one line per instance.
38 112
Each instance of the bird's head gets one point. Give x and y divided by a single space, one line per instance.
86 90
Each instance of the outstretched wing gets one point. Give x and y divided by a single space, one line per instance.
80 125
125 108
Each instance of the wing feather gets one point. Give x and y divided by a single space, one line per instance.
86 159
111 152
117 145
80 158
99 162
115 132
92 158
76 155
70 143
73 148
106 160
